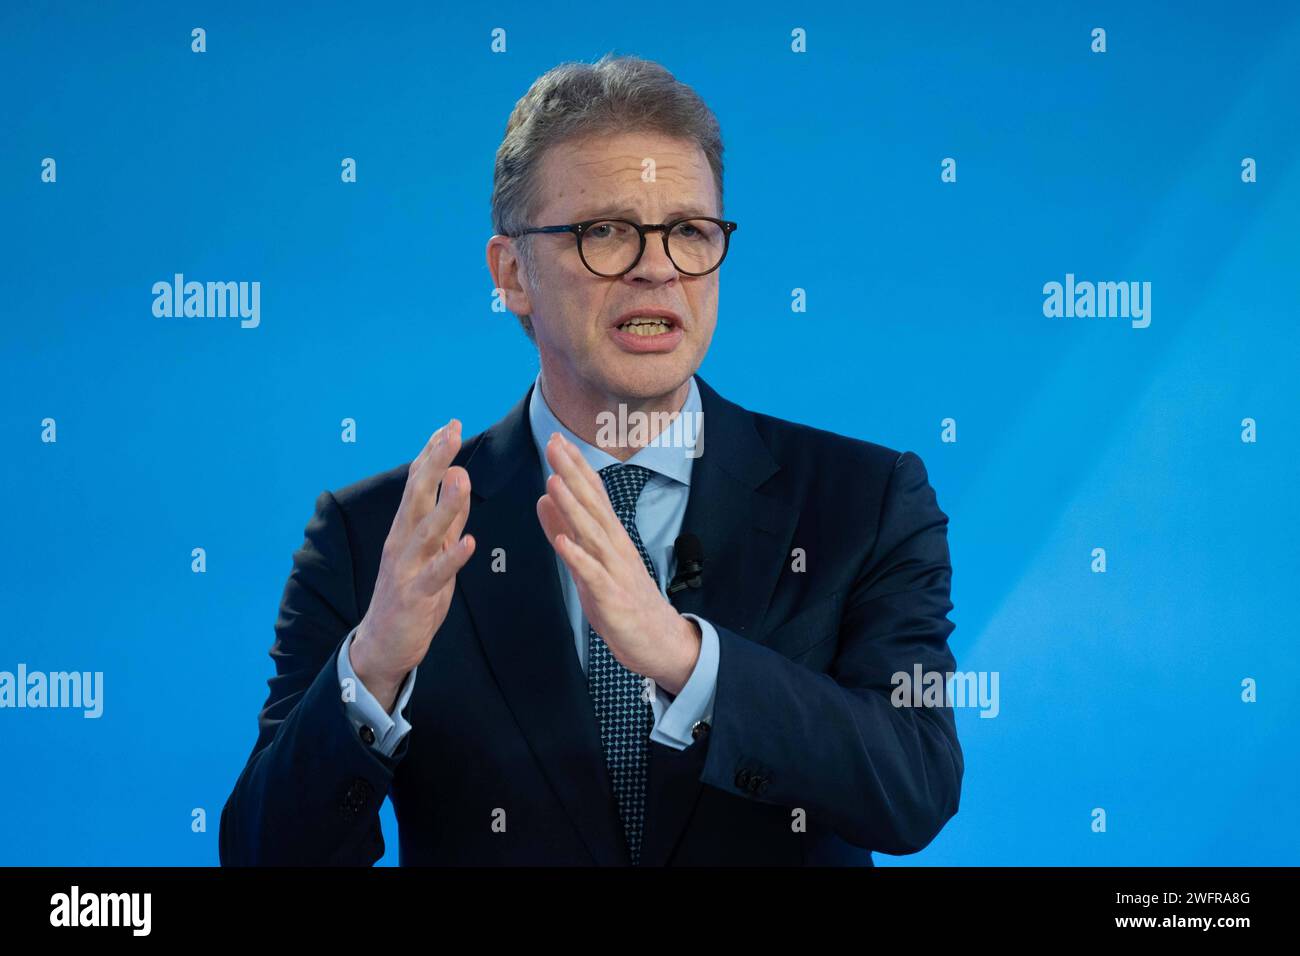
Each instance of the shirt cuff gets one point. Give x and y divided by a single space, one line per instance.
675 716
365 711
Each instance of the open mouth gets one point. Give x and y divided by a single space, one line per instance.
646 326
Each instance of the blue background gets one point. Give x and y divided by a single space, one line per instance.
1118 690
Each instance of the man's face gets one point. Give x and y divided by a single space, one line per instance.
575 313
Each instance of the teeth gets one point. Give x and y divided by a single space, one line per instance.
646 326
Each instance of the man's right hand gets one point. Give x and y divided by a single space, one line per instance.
417 569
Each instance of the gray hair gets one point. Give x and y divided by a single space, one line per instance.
574 100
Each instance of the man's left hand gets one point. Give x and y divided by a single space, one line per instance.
620 599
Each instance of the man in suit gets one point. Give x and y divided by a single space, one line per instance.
506 636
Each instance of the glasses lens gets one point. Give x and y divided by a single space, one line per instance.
610 246
696 245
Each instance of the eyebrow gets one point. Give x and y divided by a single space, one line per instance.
613 210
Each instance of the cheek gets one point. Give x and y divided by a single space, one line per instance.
704 305
573 304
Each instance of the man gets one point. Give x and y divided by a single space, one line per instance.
506 637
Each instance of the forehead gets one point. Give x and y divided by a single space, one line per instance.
601 175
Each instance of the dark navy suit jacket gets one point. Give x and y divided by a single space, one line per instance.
807 760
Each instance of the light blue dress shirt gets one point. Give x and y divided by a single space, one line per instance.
659 513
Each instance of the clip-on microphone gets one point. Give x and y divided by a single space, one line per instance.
690 563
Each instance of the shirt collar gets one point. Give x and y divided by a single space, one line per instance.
668 458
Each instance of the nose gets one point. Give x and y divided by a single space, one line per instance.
654 265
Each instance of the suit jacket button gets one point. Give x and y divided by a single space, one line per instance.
367 734
762 785
742 779
700 730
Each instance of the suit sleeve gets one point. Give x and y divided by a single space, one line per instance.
310 792
884 777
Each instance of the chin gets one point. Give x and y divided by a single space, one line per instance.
647 376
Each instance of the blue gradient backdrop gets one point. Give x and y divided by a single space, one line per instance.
1118 690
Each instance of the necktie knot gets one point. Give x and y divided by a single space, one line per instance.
623 484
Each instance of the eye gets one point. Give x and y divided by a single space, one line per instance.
607 230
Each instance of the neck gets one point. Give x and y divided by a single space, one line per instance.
586 414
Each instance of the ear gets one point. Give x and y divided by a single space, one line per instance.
508 275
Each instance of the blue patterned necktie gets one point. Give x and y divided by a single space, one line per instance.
622 708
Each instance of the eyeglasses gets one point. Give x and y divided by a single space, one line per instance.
612 247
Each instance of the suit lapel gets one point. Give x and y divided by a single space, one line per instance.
745 537
743 533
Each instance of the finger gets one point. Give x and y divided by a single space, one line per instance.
441 452
433 529
432 440
586 530
552 519
585 470
582 478
442 570
570 465
420 494
588 573
459 477
423 456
